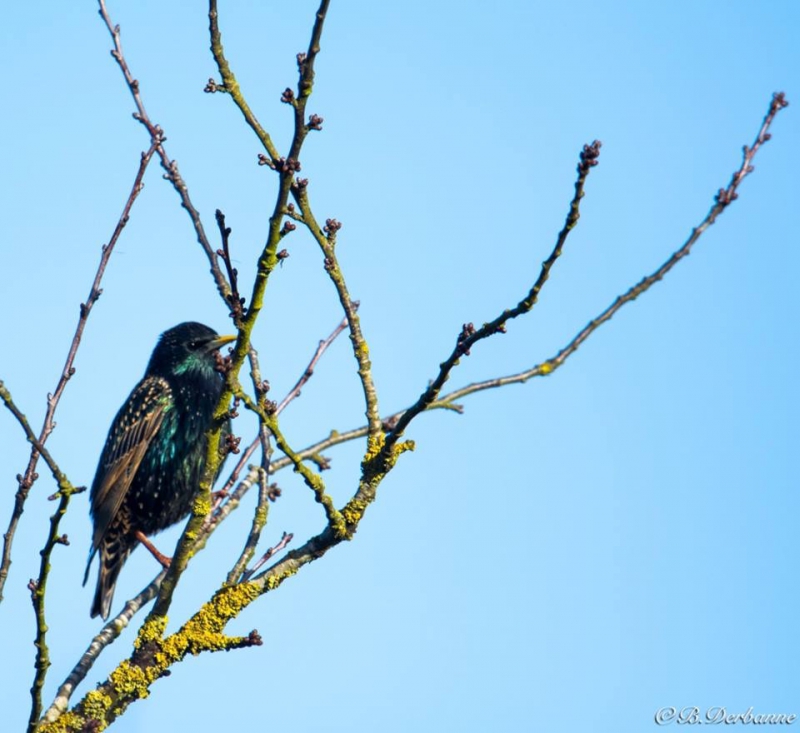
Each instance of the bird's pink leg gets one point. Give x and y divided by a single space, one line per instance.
151 548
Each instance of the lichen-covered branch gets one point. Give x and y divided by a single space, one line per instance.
267 262
107 635
326 236
231 85
326 239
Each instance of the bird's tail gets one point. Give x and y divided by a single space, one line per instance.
112 557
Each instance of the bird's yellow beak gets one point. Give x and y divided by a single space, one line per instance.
220 341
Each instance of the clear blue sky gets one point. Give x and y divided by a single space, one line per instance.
569 555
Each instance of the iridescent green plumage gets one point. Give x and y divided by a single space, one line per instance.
155 451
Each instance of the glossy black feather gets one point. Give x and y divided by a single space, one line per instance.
154 455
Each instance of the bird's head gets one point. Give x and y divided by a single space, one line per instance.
187 347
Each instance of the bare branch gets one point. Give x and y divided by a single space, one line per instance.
722 200
27 480
294 392
170 167
469 335
262 506
271 552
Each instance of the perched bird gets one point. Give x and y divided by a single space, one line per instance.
155 452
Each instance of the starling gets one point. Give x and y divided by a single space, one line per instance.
155 451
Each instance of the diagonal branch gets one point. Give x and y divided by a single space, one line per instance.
469 336
323 346
170 166
27 480
231 85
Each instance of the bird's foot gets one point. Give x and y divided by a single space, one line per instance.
151 548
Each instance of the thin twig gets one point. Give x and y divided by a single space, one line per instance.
323 346
270 553
260 517
63 483
311 479
261 513
235 301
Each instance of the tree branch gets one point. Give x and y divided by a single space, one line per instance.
722 200
469 336
26 481
267 262
170 167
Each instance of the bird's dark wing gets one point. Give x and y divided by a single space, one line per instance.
128 439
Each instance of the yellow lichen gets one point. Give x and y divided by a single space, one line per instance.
202 504
339 527
354 510
231 600
96 704
67 722
130 680
545 368
152 630
273 581
374 447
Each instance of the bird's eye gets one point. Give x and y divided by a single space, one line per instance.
193 345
